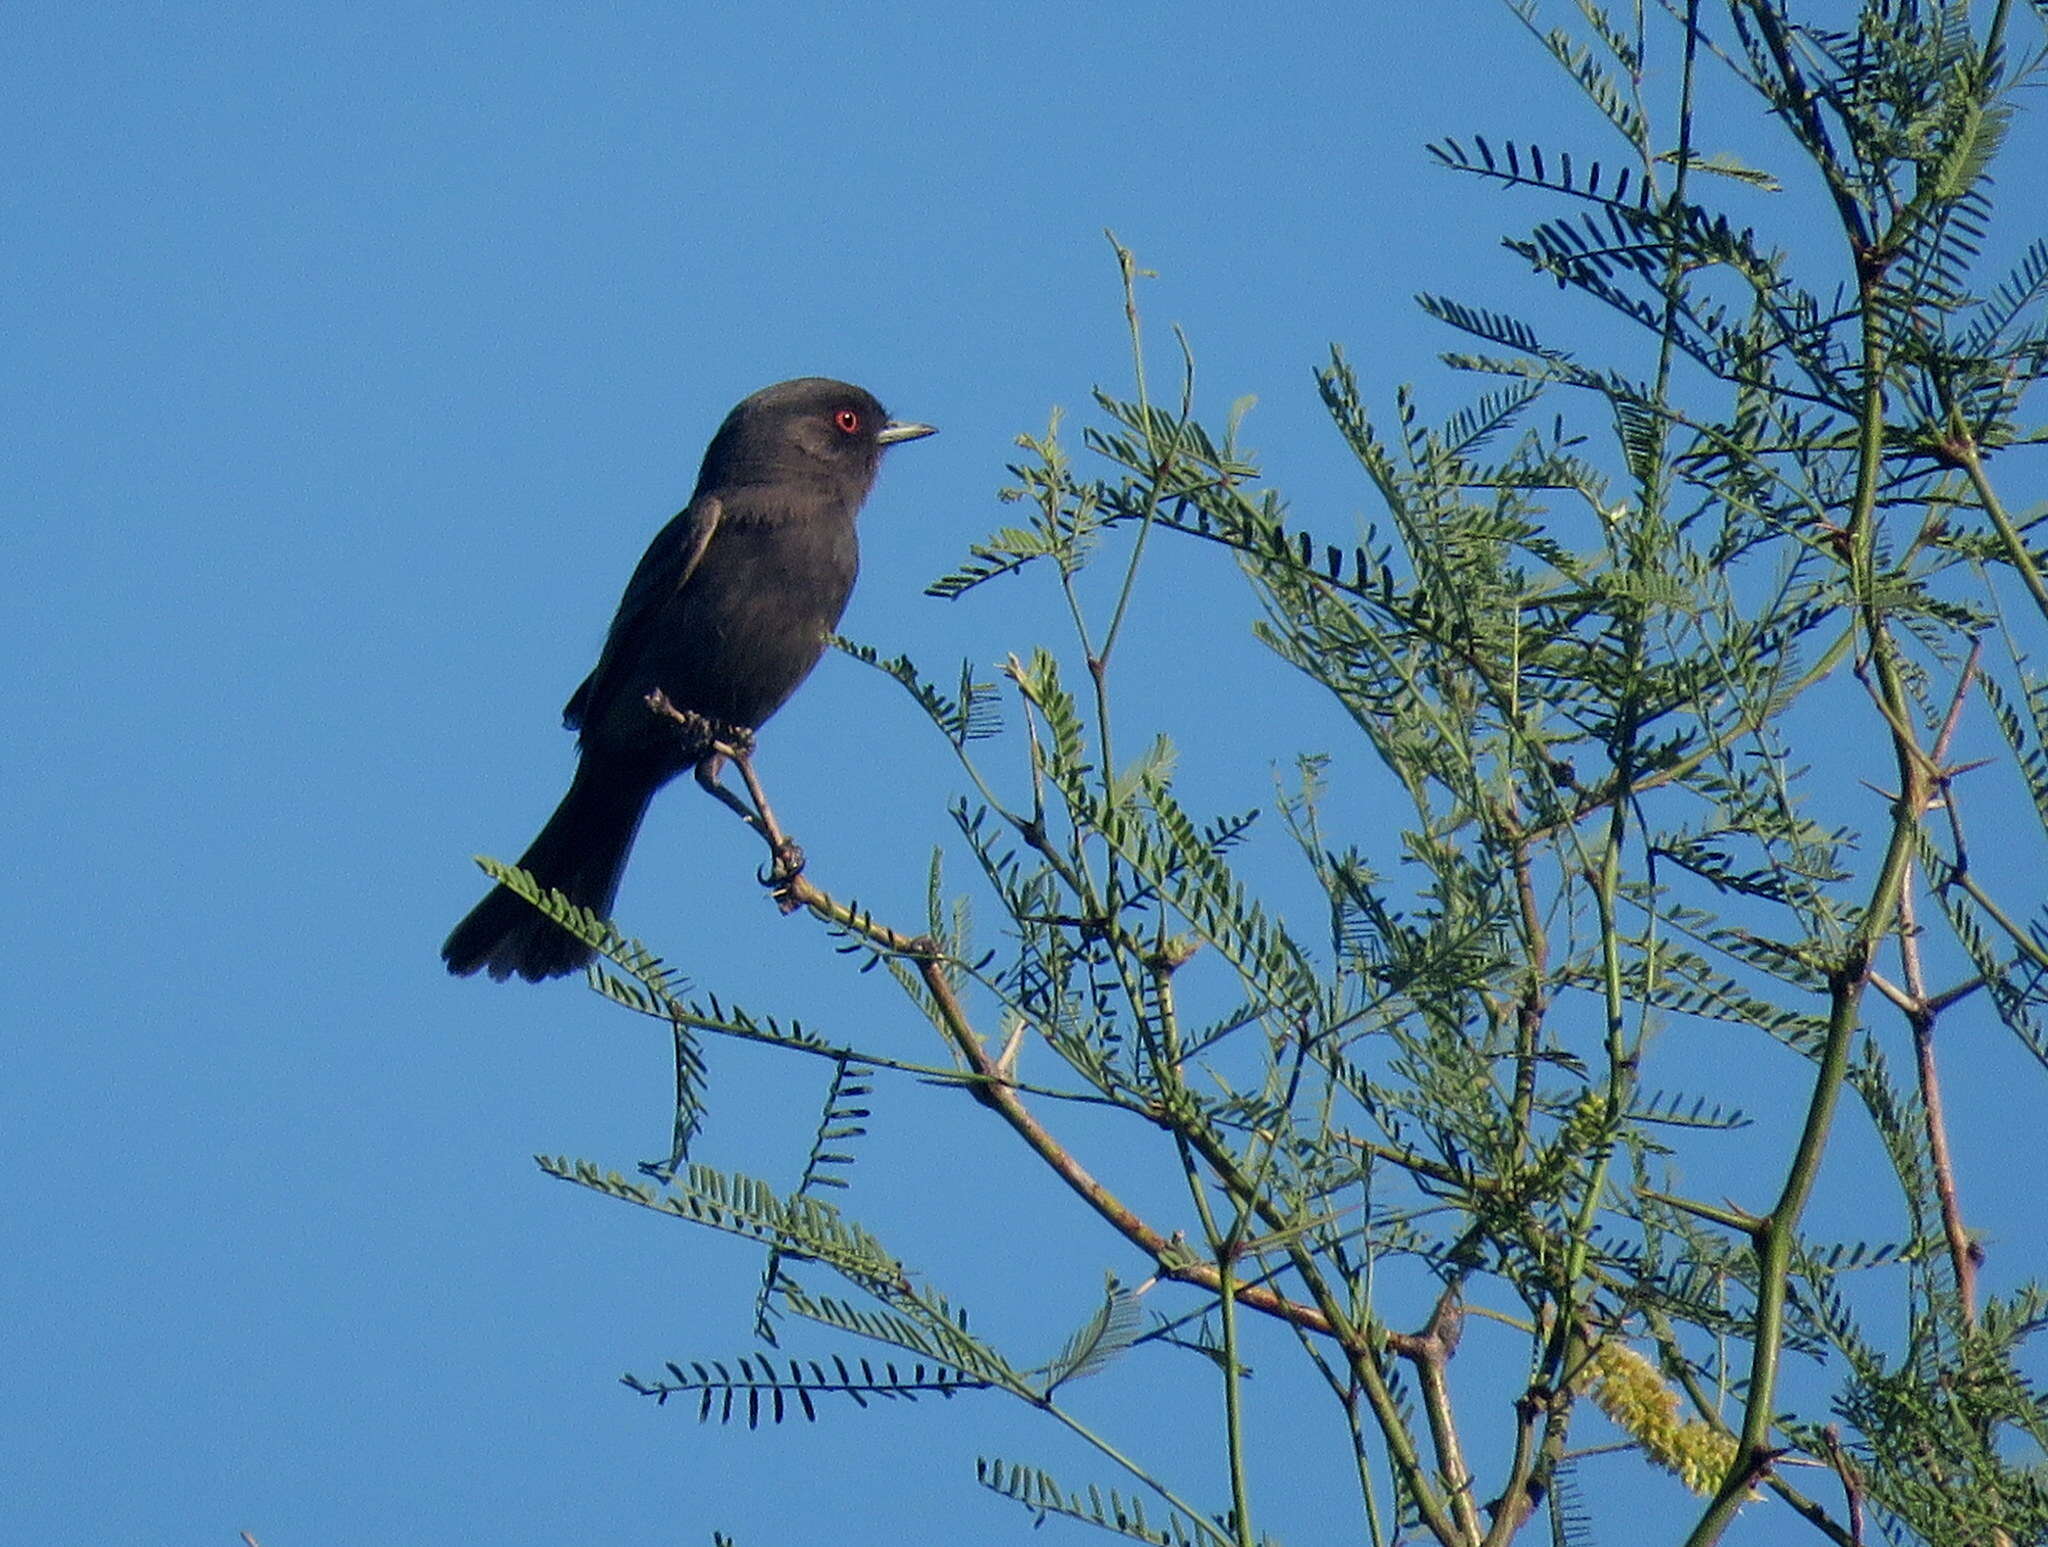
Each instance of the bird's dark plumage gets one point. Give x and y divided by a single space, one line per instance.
726 614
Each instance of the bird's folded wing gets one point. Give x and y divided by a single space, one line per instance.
671 559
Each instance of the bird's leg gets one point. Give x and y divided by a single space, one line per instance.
708 780
735 744
789 859
718 743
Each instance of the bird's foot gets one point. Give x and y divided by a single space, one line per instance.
781 874
733 741
689 719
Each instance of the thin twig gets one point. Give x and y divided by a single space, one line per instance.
993 1087
1965 1255
1430 1352
1852 1480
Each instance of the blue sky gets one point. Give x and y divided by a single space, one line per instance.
354 352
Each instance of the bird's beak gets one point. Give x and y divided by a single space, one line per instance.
893 431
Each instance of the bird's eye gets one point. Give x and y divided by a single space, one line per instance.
848 421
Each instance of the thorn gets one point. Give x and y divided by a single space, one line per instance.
1006 1060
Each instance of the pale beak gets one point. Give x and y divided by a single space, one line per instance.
893 431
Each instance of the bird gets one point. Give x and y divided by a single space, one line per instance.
723 618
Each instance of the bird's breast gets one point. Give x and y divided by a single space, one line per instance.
749 624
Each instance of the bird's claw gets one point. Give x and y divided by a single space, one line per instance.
782 872
733 741
788 863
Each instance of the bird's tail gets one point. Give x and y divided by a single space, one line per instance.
581 853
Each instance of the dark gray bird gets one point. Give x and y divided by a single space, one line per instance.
726 614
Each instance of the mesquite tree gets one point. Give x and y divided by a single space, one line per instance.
1586 638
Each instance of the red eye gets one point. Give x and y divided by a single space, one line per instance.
848 421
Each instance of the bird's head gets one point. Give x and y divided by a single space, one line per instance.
804 431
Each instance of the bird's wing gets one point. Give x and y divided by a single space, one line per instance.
671 559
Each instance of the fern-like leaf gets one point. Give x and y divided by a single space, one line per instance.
1122 1515
1112 1328
756 1388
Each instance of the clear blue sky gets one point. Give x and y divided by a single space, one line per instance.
352 355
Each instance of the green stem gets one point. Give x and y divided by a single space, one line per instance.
2024 942
1709 1413
1775 1241
1195 1516
1224 1247
2015 542
1161 462
1361 1344
1233 1401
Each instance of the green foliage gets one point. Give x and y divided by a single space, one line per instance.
1123 1515
1113 1328
842 1121
1620 640
754 1388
